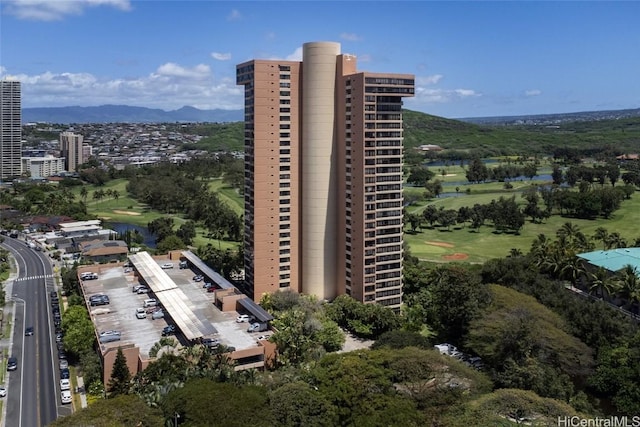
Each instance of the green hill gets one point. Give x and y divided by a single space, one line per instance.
421 128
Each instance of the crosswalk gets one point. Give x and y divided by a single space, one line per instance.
41 276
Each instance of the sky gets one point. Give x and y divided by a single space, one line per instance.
470 59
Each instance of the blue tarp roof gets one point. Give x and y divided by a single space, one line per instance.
615 259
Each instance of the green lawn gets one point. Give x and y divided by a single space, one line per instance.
485 244
127 210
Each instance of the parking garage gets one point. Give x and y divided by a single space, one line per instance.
196 313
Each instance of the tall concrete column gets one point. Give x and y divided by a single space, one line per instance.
319 195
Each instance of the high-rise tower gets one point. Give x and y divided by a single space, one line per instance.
72 150
323 176
10 129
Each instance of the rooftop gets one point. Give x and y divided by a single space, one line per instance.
615 259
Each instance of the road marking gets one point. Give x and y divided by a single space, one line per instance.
41 276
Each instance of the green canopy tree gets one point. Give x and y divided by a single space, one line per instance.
120 381
78 329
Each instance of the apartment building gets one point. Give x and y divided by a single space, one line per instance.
71 148
323 176
42 166
10 129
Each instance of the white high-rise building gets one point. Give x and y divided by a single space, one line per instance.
10 129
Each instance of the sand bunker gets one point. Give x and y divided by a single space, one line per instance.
458 256
441 244
127 213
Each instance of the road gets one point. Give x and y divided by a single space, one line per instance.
33 399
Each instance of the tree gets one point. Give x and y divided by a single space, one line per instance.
453 299
556 175
414 221
419 176
602 235
629 285
119 411
298 404
83 194
78 329
234 405
477 171
120 376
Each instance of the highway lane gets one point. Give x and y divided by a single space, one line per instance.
33 398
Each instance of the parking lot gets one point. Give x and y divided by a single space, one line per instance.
120 313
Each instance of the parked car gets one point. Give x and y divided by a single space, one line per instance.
257 327
64 364
141 290
109 336
263 337
141 313
28 331
136 288
166 266
157 314
99 299
183 265
3 392
12 363
65 384
88 276
211 342
64 374
198 278
65 396
242 318
150 302
168 330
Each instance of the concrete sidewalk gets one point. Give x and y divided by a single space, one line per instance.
83 394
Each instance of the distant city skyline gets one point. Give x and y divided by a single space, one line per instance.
470 59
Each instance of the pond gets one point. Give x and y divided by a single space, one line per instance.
122 227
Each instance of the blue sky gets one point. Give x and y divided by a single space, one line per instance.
470 59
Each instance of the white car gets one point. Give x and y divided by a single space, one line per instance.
141 313
64 364
65 384
263 337
65 396
242 318
3 392
166 266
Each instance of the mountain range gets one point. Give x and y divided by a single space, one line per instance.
186 114
127 114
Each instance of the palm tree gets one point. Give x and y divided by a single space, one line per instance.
629 285
616 241
573 269
84 193
602 235
602 283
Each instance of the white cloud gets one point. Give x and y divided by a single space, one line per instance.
350 37
55 10
464 93
428 96
170 69
235 15
533 92
221 56
296 55
169 87
429 80
364 58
